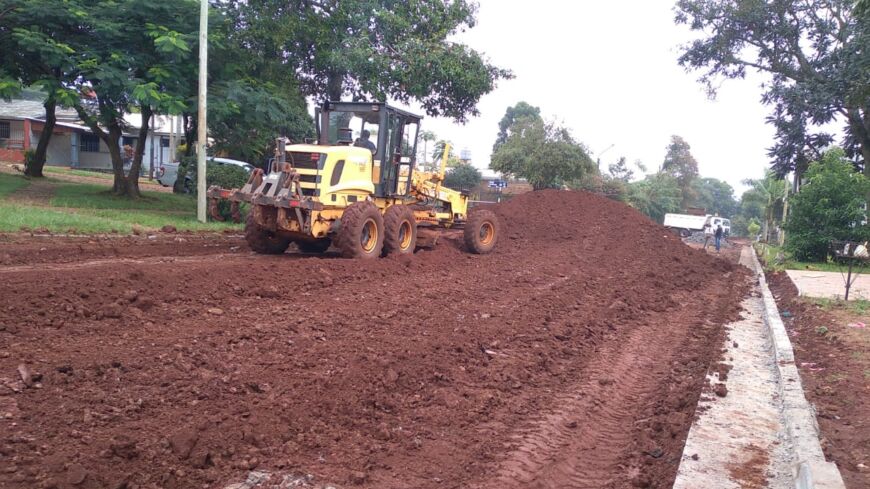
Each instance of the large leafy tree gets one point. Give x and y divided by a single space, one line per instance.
463 176
128 63
830 206
371 49
512 114
716 196
655 195
34 52
680 164
245 116
543 153
815 55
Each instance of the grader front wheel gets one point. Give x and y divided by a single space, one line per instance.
481 232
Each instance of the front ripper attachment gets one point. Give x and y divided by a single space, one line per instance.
217 194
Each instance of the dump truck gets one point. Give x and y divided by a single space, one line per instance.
356 188
686 224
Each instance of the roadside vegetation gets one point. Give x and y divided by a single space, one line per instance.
81 208
775 258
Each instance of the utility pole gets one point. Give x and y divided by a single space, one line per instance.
202 134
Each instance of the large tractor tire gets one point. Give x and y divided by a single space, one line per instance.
362 231
400 230
262 240
318 246
481 232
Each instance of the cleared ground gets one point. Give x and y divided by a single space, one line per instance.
574 356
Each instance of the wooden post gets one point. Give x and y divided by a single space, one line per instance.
202 134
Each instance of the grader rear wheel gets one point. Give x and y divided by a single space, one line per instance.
262 240
481 232
400 230
362 231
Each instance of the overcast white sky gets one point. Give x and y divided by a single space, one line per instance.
608 71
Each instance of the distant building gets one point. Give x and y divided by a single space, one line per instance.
73 144
494 186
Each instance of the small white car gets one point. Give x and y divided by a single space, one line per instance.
167 174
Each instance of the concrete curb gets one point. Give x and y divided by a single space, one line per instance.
811 470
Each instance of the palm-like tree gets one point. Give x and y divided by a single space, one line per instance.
438 152
772 190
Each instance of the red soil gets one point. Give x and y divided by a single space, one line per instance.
573 356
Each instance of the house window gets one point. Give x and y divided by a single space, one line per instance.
5 130
88 143
164 142
129 141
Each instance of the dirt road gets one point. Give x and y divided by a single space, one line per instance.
572 357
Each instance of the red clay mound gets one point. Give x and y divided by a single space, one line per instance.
586 334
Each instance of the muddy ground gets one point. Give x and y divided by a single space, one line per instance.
573 356
834 367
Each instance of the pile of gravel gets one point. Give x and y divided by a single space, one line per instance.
698 237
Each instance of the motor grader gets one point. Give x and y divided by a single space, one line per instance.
356 188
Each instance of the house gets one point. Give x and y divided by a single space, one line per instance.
72 143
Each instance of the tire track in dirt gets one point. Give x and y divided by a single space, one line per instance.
587 438
579 443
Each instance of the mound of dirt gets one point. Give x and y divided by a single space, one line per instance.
576 351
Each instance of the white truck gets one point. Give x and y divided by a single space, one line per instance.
686 224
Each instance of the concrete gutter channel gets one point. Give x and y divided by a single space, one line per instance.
763 433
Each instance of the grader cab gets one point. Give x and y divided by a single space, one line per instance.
356 189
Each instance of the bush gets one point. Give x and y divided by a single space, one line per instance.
829 206
225 176
753 228
29 157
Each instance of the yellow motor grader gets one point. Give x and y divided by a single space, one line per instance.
356 189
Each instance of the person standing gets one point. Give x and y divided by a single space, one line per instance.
718 235
708 233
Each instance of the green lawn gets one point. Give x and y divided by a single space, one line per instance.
11 183
62 170
769 258
81 173
89 208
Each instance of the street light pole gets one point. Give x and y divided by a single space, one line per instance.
201 133
598 158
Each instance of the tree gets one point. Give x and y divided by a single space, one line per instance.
830 206
620 170
128 63
34 52
245 117
716 196
426 137
769 192
372 49
462 177
438 155
680 163
815 53
655 195
545 154
513 114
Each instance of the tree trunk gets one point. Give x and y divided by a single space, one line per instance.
333 87
113 142
36 164
132 187
189 133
